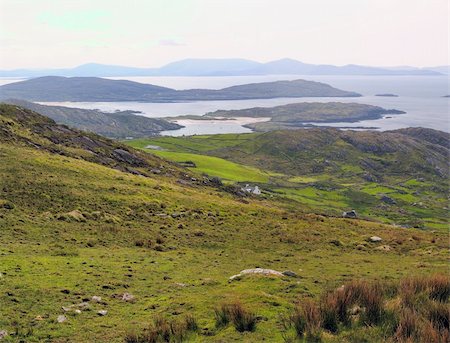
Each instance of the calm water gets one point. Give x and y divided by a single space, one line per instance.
420 96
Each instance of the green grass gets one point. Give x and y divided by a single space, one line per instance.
284 168
196 144
214 166
72 228
48 263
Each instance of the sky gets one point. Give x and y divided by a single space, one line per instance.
151 33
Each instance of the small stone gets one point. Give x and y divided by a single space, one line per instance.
349 214
102 313
3 334
66 308
388 200
61 318
290 273
77 311
375 239
96 299
127 297
39 318
355 310
384 248
83 305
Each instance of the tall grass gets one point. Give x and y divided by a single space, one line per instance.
164 330
242 319
414 310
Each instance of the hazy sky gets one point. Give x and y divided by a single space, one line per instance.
150 33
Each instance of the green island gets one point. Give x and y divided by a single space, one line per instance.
293 116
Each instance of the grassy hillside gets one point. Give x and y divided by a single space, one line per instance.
81 218
398 177
119 125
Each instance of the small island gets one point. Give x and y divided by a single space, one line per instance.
387 95
297 115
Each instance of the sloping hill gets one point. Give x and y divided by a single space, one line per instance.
303 151
52 88
92 252
120 125
396 176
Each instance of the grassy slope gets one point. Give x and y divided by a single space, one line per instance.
331 171
49 260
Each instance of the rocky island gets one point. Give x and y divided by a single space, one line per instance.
387 95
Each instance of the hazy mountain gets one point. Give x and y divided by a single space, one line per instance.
195 67
441 69
56 88
217 67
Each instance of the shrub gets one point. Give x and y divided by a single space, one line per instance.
313 320
191 323
222 315
408 327
330 317
163 330
439 287
298 320
242 319
438 315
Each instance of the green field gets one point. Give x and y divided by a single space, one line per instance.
219 167
337 187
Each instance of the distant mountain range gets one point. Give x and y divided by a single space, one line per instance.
57 88
225 67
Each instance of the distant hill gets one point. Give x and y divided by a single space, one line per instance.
205 67
121 124
230 66
56 88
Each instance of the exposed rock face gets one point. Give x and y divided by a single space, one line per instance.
129 158
388 200
375 239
